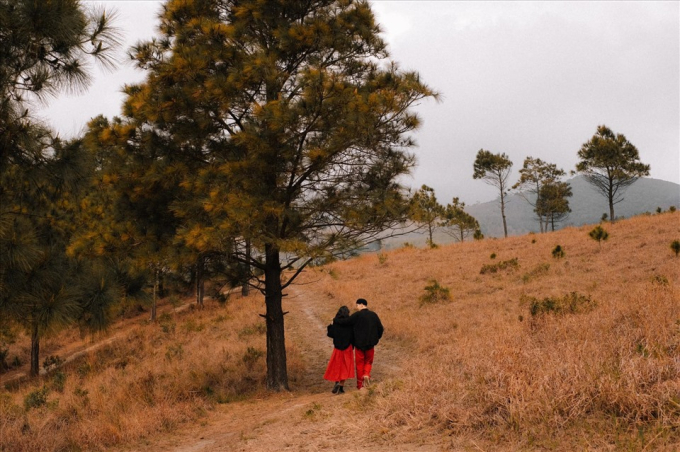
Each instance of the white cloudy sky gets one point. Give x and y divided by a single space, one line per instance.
524 78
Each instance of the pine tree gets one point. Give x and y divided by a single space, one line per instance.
457 222
534 175
552 203
294 133
44 47
611 164
426 211
494 169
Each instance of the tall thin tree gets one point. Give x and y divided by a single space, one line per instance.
494 169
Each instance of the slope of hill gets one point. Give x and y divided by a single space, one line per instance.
530 352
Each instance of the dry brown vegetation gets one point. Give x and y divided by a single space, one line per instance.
595 367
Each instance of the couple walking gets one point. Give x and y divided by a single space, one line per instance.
361 331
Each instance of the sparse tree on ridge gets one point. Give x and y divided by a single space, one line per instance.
426 211
535 174
457 222
298 135
494 169
611 164
552 203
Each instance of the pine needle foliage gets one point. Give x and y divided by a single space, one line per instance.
286 127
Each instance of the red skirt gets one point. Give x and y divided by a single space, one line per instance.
341 365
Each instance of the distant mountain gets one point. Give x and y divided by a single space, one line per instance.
587 206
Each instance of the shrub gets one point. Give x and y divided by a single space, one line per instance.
571 303
659 280
382 258
558 252
478 235
52 361
435 293
511 264
659 210
599 234
36 398
540 269
671 209
604 217
675 246
493 256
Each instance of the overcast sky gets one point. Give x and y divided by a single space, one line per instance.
524 78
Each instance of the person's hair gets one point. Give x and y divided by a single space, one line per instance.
362 301
342 312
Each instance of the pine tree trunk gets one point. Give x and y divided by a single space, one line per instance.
611 209
505 226
277 372
245 288
35 352
200 280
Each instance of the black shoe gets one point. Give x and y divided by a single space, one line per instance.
336 388
341 390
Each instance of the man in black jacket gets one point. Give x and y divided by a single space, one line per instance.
367 333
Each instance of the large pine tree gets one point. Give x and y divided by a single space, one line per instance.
293 127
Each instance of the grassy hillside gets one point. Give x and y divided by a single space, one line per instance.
574 353
604 374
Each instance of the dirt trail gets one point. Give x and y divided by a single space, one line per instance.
309 418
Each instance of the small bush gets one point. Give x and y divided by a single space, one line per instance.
659 280
52 361
571 303
558 252
604 217
659 210
511 264
36 399
478 235
599 234
435 293
382 258
493 256
59 381
672 209
675 246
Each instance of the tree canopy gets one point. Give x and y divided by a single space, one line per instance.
286 128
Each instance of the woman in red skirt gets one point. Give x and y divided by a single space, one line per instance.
341 365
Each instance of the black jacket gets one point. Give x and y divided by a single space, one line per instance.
343 335
367 328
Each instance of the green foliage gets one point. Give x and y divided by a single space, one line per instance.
494 169
659 280
672 209
558 252
493 256
511 264
458 223
478 235
540 186
59 381
382 258
611 164
604 217
659 210
52 361
571 303
425 210
435 293
599 234
675 246
36 399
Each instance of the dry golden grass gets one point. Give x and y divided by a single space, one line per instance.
483 368
477 372
156 377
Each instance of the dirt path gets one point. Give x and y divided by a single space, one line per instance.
309 418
